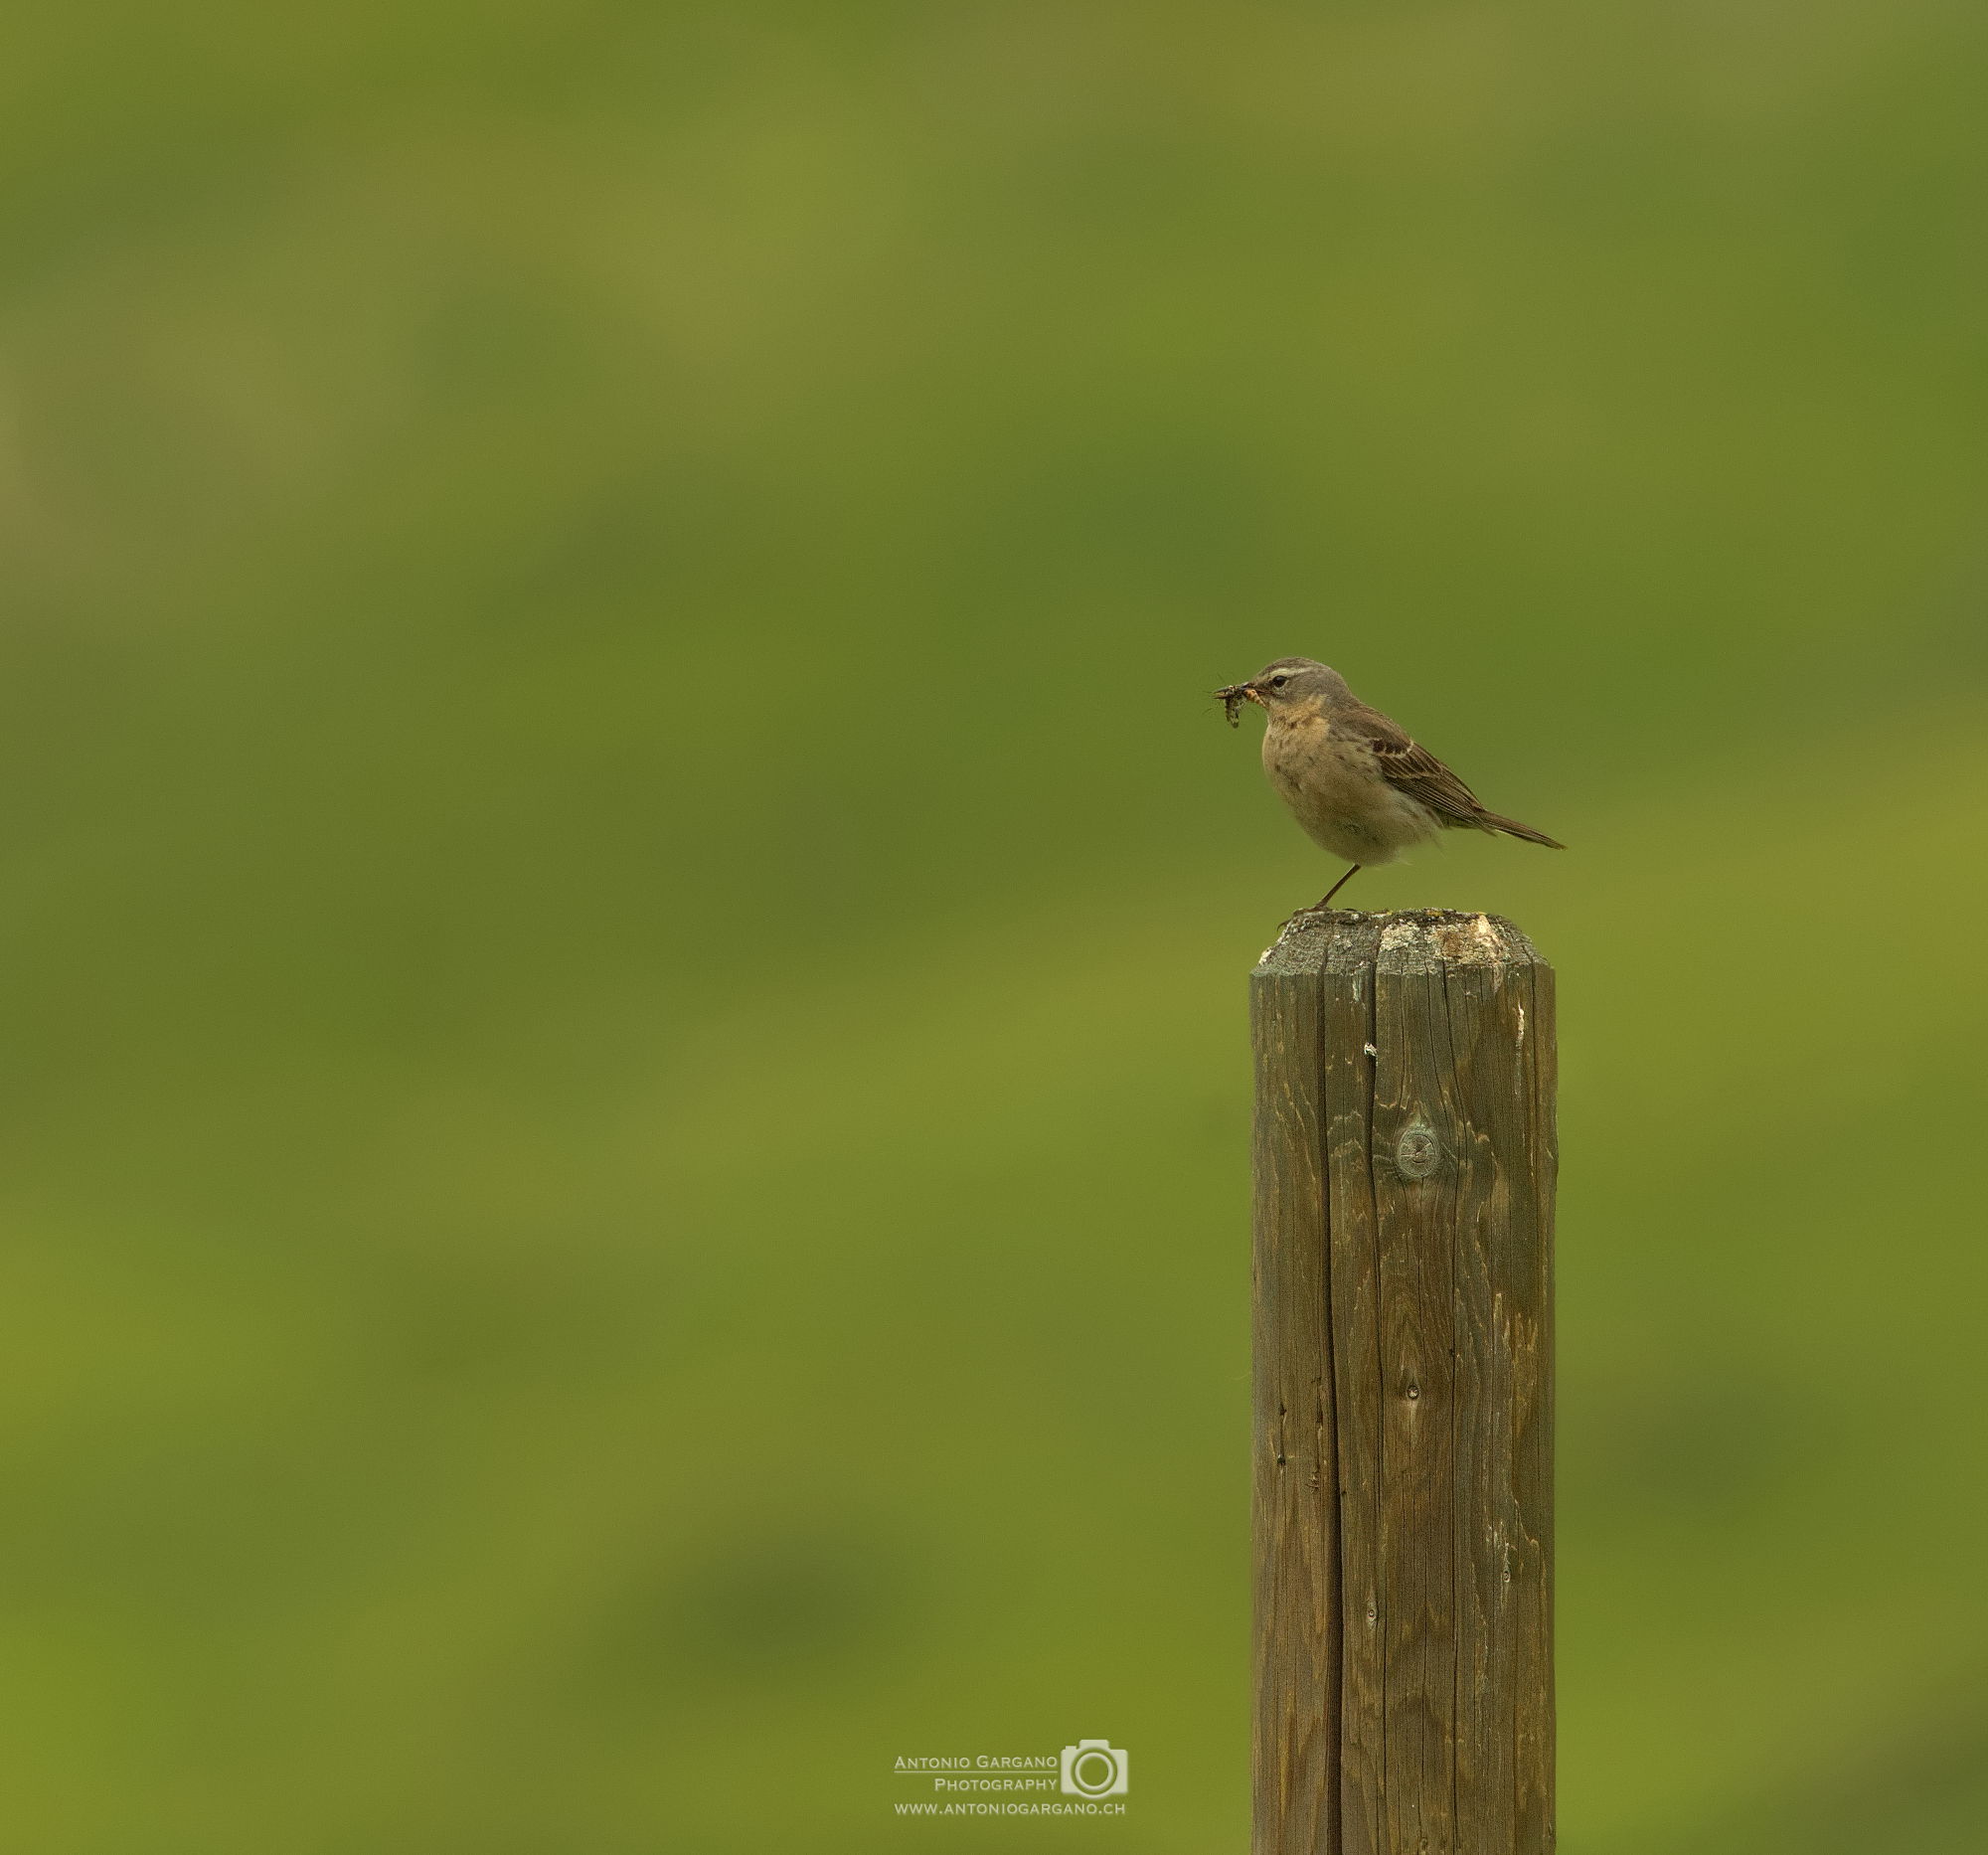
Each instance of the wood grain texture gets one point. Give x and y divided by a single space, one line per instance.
1295 1473
1417 1132
1353 1240
1404 1175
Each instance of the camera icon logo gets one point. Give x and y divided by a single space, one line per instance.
1092 1768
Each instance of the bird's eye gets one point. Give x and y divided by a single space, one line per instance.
1277 682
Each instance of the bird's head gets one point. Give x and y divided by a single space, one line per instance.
1289 687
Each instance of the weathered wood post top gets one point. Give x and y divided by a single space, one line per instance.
1403 1388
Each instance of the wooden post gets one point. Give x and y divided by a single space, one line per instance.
1403 1388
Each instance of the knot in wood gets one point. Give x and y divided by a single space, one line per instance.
1417 1152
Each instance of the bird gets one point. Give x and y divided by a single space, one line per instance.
1357 783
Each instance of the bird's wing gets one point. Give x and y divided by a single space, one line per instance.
1410 767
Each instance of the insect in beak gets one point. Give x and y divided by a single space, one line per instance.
1236 692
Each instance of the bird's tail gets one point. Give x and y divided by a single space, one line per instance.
1513 828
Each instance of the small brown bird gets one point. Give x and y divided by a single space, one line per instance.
1354 781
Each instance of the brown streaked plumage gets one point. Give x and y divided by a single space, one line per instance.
1356 782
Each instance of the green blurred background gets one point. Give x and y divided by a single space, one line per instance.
625 916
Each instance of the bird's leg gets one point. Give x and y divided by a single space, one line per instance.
1325 901
1319 906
